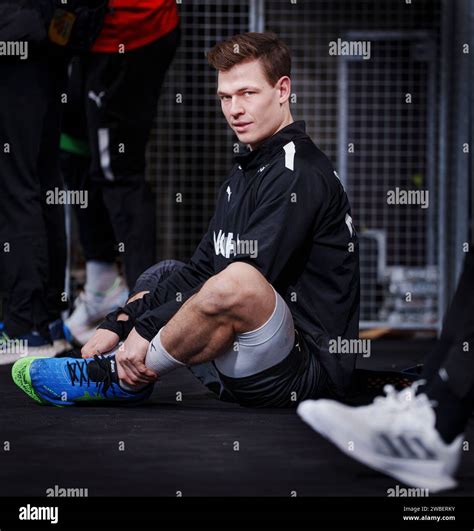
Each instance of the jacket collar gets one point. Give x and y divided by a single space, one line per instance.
251 160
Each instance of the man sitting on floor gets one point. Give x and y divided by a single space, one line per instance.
273 281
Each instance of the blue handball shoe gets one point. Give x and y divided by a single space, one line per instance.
74 381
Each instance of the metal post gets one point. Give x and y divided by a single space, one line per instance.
446 37
471 106
462 136
431 157
342 120
256 15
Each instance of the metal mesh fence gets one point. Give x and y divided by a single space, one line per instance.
386 159
358 112
191 149
395 142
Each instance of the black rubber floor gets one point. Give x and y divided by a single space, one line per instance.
198 446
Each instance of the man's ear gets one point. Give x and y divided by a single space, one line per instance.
284 86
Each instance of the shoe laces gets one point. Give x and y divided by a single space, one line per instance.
403 410
79 374
397 400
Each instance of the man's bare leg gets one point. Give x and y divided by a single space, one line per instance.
237 300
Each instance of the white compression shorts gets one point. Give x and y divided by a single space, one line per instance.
260 349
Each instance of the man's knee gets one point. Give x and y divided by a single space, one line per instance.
238 288
155 274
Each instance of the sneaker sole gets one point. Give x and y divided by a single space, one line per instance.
8 359
48 351
61 345
21 376
426 475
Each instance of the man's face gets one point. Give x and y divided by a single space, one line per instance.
252 107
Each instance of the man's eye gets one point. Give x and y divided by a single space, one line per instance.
225 98
248 93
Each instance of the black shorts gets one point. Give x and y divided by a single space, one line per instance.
297 377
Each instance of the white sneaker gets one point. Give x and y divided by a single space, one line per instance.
58 333
395 435
32 344
91 308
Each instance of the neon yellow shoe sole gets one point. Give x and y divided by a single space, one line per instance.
21 376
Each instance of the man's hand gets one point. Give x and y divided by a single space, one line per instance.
130 359
100 343
104 340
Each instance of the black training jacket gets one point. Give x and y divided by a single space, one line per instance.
283 210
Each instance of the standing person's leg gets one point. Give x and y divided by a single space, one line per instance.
415 435
449 331
122 92
452 386
104 289
51 181
95 230
27 93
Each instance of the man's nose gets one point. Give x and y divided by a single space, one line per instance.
236 107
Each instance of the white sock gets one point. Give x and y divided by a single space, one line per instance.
157 359
100 276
